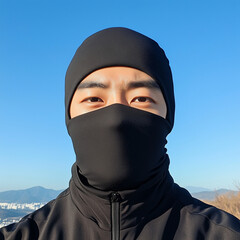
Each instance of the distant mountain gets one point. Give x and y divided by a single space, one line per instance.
193 189
43 195
211 195
30 195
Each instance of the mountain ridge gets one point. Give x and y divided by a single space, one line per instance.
211 195
29 195
40 194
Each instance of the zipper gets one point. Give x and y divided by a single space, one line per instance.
115 199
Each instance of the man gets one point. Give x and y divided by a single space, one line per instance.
119 110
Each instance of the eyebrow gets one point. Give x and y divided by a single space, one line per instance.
91 84
150 84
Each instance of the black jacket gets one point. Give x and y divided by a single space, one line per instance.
84 213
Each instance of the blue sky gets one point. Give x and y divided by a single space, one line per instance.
37 42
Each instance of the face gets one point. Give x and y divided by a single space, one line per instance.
124 85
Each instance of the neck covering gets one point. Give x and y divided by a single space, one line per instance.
119 147
138 206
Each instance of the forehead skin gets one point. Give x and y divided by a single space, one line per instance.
124 85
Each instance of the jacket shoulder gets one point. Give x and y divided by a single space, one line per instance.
23 230
201 219
29 226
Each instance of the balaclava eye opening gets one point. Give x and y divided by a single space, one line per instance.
120 47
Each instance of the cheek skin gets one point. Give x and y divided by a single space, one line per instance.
161 106
74 106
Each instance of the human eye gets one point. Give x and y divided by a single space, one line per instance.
143 100
92 100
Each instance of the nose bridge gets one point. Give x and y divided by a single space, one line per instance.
118 96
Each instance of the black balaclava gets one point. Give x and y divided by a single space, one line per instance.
119 147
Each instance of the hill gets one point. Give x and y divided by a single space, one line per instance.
211 195
30 195
193 189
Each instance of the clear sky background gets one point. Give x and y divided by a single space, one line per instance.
38 40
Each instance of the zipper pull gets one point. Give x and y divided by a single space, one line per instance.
115 199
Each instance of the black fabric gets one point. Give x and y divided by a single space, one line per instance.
119 147
120 47
146 202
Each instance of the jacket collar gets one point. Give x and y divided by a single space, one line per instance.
148 201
